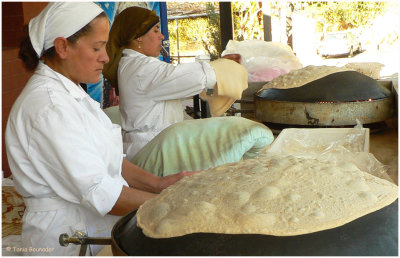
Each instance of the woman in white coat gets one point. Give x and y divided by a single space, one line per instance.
150 90
64 153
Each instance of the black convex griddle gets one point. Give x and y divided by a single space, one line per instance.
335 100
374 234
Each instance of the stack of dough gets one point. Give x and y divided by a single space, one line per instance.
271 195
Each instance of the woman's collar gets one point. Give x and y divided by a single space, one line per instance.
131 52
75 90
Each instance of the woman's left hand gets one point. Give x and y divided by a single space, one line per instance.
171 179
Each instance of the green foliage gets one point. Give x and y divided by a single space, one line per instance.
212 40
344 15
204 31
190 30
247 20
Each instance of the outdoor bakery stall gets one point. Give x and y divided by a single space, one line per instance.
246 227
315 135
317 190
322 192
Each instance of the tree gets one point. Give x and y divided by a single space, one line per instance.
247 20
343 15
212 39
200 31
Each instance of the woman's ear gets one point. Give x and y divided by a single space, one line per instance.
61 46
135 44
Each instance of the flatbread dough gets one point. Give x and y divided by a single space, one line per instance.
300 77
271 194
371 69
231 82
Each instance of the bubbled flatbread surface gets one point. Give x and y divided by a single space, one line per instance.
271 195
300 77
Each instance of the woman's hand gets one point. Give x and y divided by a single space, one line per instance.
234 57
171 179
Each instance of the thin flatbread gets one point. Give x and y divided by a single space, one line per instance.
300 77
231 82
271 195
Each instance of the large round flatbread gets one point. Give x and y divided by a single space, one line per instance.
300 77
271 195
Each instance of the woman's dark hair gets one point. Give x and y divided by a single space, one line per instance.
28 54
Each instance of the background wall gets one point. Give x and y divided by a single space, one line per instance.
14 77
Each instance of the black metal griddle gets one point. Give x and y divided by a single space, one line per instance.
337 99
374 234
337 87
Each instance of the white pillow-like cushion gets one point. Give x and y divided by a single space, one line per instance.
201 144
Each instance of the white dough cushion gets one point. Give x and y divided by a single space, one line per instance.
200 144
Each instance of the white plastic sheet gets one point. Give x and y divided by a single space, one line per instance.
264 60
332 144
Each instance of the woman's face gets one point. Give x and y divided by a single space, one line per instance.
152 41
86 58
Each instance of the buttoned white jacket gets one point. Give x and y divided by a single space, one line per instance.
65 156
150 94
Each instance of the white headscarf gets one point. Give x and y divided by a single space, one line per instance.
60 19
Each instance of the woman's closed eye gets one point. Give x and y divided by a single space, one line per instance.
99 46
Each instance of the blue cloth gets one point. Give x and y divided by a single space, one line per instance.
96 90
109 9
155 6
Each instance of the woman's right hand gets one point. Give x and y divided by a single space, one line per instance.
234 57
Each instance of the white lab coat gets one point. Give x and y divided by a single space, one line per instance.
65 156
150 95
